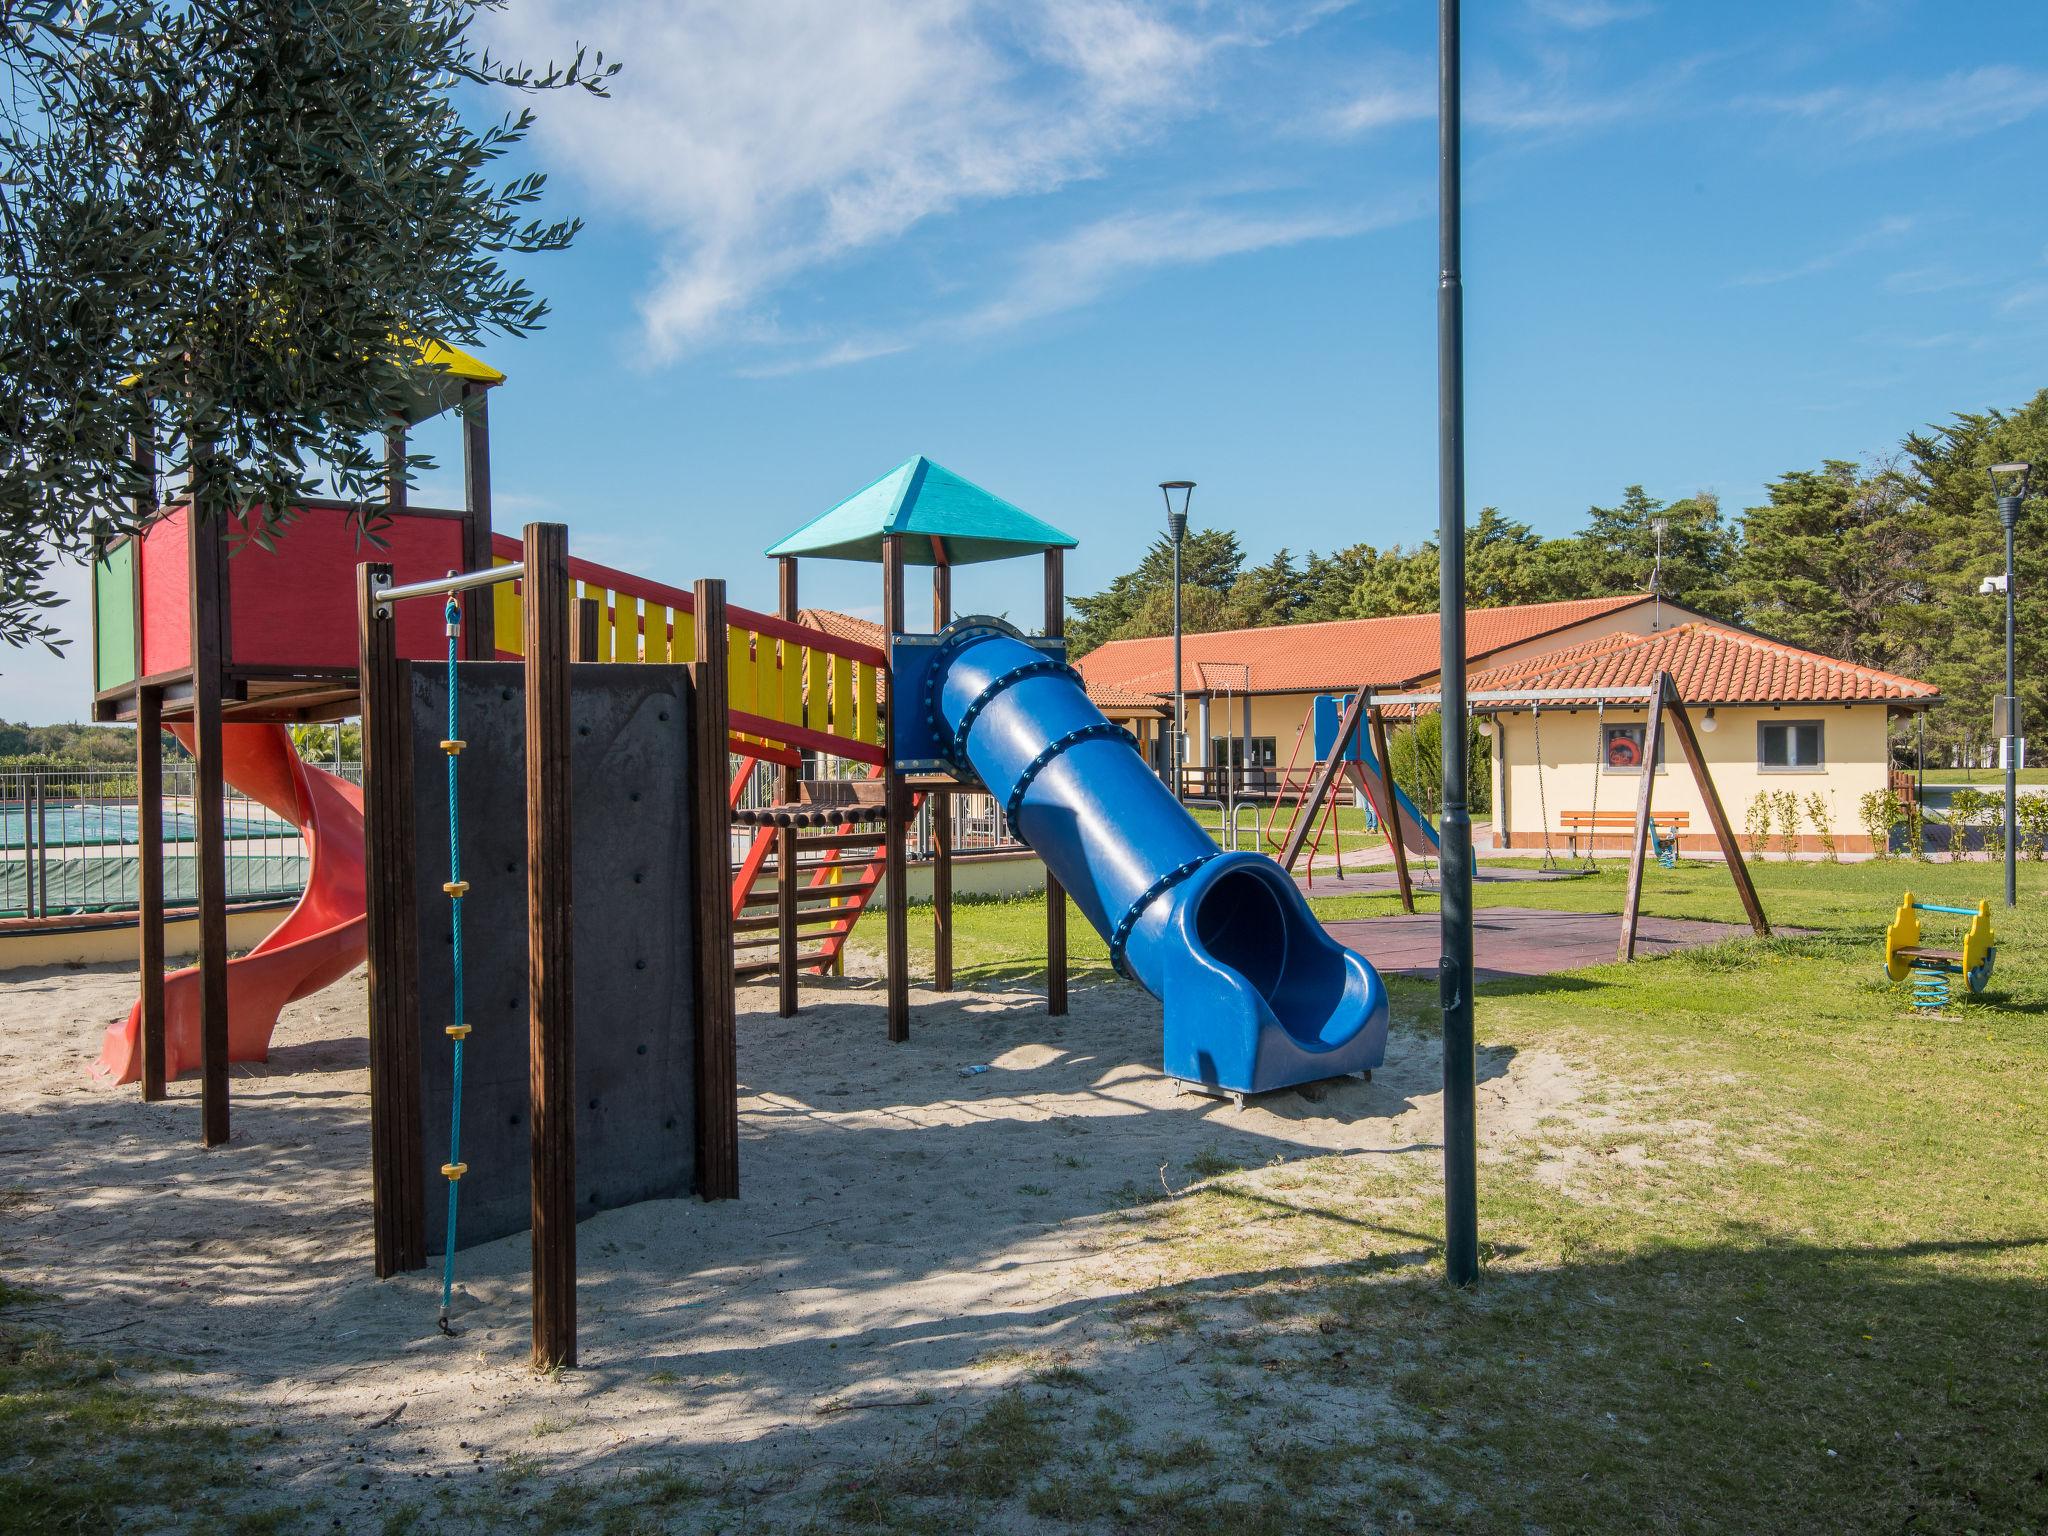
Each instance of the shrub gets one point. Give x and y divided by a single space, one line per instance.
1821 814
1916 831
1965 808
2033 814
1756 822
1878 809
1785 811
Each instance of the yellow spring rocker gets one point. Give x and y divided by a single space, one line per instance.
1930 969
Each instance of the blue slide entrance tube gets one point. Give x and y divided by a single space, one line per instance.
1256 994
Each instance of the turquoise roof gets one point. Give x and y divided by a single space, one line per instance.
924 501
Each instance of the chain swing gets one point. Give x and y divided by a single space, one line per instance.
458 1030
1542 801
1592 864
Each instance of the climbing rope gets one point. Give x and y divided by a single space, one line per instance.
1542 801
458 1031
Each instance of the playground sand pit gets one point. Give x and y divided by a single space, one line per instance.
912 1240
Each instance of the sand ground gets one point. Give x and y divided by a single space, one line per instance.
908 1241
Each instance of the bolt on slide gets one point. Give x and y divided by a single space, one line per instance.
1257 995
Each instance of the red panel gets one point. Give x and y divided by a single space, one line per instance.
295 606
166 596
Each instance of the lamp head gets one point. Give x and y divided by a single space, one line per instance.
1177 517
2009 485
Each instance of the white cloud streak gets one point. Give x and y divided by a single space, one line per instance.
769 139
1957 105
1885 231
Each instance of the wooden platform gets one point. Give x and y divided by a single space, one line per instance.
1519 941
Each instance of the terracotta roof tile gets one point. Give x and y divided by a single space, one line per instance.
844 626
1335 656
1710 664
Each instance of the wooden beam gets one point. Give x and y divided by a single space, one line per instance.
785 840
585 614
1055 893
149 838
896 916
1717 815
1393 805
480 616
717 1068
1653 742
551 1021
398 1221
209 811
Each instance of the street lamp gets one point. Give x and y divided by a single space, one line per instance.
2009 485
1177 530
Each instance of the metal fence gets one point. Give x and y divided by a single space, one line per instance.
979 825
70 842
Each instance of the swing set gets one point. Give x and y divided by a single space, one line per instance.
1655 834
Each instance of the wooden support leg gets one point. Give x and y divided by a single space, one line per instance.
551 1024
897 915
1055 946
1717 817
941 803
149 815
398 1217
209 813
1653 741
1393 822
717 1064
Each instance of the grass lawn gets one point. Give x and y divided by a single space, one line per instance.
1984 777
1799 1283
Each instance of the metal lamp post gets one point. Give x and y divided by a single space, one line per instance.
1177 530
1454 831
2009 485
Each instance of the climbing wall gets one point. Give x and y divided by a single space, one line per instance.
632 927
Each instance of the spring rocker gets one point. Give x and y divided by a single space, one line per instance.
1905 957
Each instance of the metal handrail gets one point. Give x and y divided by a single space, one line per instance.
454 581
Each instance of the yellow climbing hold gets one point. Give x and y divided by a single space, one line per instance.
454 1170
457 1031
452 747
456 888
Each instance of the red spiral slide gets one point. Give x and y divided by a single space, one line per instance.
320 941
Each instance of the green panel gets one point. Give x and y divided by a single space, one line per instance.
113 633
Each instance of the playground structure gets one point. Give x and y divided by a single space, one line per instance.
1345 749
1930 970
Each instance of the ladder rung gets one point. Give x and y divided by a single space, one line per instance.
816 892
804 918
772 967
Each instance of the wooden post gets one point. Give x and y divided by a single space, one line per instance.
940 802
1717 816
551 1022
1055 893
1378 723
398 1218
785 839
1653 742
149 839
209 810
896 805
480 617
584 613
718 1129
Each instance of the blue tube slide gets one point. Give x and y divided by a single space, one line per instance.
1256 994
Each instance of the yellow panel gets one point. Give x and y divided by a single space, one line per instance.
870 700
817 688
739 670
842 697
686 636
792 682
767 678
508 616
655 644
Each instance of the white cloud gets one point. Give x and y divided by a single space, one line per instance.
1884 231
2024 298
1966 102
770 138
1586 15
1396 89
1080 267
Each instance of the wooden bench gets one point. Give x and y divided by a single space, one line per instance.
1664 827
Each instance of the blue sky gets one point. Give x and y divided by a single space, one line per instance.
1070 248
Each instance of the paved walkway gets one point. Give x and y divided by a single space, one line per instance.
1519 941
